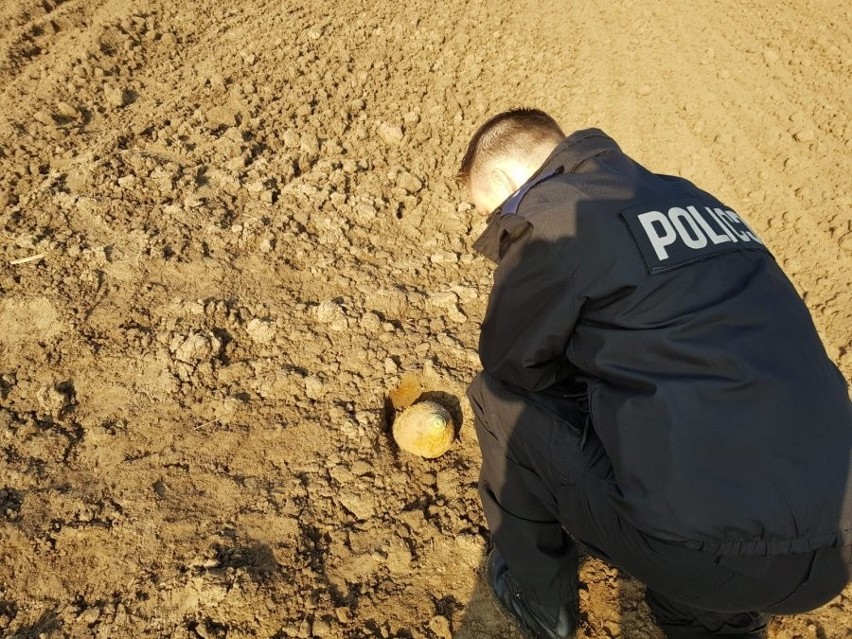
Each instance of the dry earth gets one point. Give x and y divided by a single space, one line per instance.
249 231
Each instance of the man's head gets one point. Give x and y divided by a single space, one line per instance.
504 153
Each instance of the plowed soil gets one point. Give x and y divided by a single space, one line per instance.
228 229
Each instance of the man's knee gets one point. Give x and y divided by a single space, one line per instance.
475 389
485 400
481 389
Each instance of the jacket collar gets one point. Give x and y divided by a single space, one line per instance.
565 158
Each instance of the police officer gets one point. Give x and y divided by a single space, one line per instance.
653 388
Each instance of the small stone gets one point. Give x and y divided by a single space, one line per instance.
390 366
409 182
328 312
261 331
309 143
613 628
267 243
444 257
217 81
236 164
444 299
341 474
43 118
846 242
361 467
196 348
390 134
89 616
257 186
371 322
321 628
362 504
770 56
365 211
66 110
440 626
291 138
455 315
222 115
193 201
314 388
127 181
399 559
52 400
466 293
644 90
117 97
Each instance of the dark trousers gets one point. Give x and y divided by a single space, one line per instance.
542 476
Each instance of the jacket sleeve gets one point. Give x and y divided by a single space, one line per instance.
531 313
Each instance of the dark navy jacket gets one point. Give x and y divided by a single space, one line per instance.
728 427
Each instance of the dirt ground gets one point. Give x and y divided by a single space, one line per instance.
245 231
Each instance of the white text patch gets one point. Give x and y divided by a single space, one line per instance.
673 235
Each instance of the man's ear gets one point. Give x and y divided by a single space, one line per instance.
502 183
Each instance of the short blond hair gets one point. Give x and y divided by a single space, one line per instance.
518 133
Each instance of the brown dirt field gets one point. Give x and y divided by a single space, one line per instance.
249 232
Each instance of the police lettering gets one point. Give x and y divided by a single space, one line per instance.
692 228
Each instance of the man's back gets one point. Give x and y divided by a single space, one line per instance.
708 385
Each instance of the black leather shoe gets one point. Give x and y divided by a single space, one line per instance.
536 620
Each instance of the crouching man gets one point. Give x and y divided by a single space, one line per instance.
653 388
